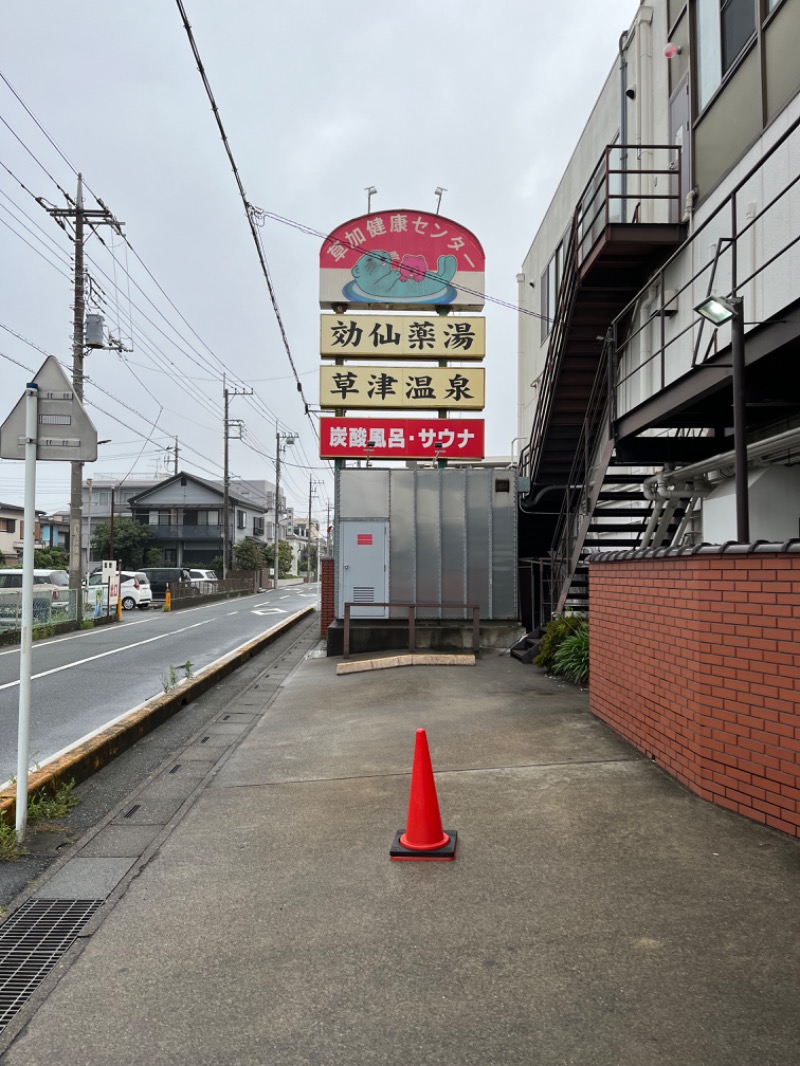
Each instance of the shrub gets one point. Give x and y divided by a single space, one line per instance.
557 630
571 659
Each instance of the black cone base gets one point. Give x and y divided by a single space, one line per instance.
398 853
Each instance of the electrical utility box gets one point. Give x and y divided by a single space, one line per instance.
94 331
436 535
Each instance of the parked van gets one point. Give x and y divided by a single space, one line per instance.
161 576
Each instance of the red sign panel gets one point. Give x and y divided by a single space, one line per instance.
364 538
401 438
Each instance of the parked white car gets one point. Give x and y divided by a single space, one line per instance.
51 598
203 577
134 588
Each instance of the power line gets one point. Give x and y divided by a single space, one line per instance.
303 228
34 249
251 213
258 404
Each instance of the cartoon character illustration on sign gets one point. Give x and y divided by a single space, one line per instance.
411 260
384 275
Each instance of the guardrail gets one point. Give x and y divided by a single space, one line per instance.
412 620
188 590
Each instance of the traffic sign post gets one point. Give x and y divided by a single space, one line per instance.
48 422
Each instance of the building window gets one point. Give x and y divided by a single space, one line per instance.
724 30
241 520
101 497
159 518
550 283
258 527
170 556
8 525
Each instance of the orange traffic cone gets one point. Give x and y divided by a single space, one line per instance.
424 838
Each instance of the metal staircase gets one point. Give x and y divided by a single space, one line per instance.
582 496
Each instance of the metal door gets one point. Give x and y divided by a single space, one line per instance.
364 574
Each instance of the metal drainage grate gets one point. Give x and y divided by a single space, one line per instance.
32 941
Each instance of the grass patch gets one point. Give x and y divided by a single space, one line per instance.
10 850
43 807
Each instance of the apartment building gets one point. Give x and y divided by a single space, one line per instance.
660 402
683 185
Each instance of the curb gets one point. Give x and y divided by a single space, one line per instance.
412 659
85 759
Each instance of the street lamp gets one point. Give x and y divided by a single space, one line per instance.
370 445
718 310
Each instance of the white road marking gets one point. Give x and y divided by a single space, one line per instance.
103 654
232 612
271 610
74 636
51 758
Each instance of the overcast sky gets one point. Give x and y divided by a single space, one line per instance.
319 100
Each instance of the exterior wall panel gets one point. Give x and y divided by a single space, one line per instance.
402 546
429 545
454 538
450 536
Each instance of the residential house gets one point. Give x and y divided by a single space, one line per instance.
297 537
55 530
186 515
101 494
12 530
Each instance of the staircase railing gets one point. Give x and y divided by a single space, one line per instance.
589 466
605 199
559 331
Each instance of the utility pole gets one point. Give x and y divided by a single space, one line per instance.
175 463
111 524
308 531
82 216
227 395
289 438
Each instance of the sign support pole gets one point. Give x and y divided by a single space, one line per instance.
26 636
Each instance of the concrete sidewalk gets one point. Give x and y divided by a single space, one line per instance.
597 913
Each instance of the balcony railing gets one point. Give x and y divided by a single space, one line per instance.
186 532
754 245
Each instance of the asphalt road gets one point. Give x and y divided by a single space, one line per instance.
85 680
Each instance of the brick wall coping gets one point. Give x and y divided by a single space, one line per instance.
730 547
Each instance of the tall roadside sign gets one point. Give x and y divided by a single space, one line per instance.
427 271
49 422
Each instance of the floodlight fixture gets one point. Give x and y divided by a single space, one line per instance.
716 309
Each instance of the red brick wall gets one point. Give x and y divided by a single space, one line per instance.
696 661
328 603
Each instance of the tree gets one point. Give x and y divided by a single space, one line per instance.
302 566
51 558
247 555
285 557
131 540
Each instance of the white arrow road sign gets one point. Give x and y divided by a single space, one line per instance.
271 610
